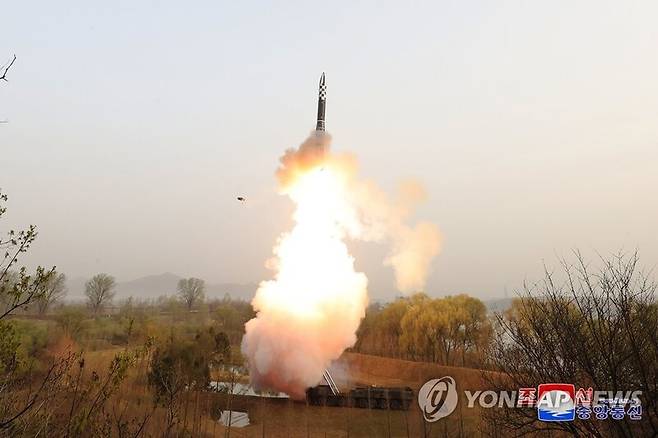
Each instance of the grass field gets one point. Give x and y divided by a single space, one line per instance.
284 417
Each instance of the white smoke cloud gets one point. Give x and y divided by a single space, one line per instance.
308 314
385 220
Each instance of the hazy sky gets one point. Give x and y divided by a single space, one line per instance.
135 124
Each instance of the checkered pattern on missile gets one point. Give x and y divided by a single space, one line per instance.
323 92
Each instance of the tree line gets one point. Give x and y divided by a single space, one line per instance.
452 330
100 292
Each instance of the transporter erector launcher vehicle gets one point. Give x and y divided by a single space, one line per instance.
322 104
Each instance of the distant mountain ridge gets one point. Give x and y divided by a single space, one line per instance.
153 286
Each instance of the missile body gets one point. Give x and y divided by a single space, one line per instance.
322 102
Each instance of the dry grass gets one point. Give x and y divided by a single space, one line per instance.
385 371
288 418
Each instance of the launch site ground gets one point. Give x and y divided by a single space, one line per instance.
285 417
276 417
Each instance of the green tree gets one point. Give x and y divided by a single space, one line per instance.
473 326
366 338
423 329
437 329
388 326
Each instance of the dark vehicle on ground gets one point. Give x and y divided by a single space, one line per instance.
365 397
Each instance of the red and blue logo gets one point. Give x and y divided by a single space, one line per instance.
556 402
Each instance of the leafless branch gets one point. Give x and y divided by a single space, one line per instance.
4 74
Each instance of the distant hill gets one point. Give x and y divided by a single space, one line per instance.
150 286
153 286
235 290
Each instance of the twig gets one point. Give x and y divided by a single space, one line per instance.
4 74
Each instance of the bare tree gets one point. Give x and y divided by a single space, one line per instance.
595 329
100 291
53 291
191 291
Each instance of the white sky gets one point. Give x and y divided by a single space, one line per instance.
134 125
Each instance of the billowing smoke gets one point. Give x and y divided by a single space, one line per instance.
309 313
384 220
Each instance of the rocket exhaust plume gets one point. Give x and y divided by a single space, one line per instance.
308 314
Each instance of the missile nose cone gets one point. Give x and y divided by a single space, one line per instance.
322 98
322 89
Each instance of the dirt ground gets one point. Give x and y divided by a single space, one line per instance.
288 418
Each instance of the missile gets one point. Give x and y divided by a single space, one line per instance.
322 103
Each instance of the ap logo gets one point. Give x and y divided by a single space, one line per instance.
555 402
437 398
